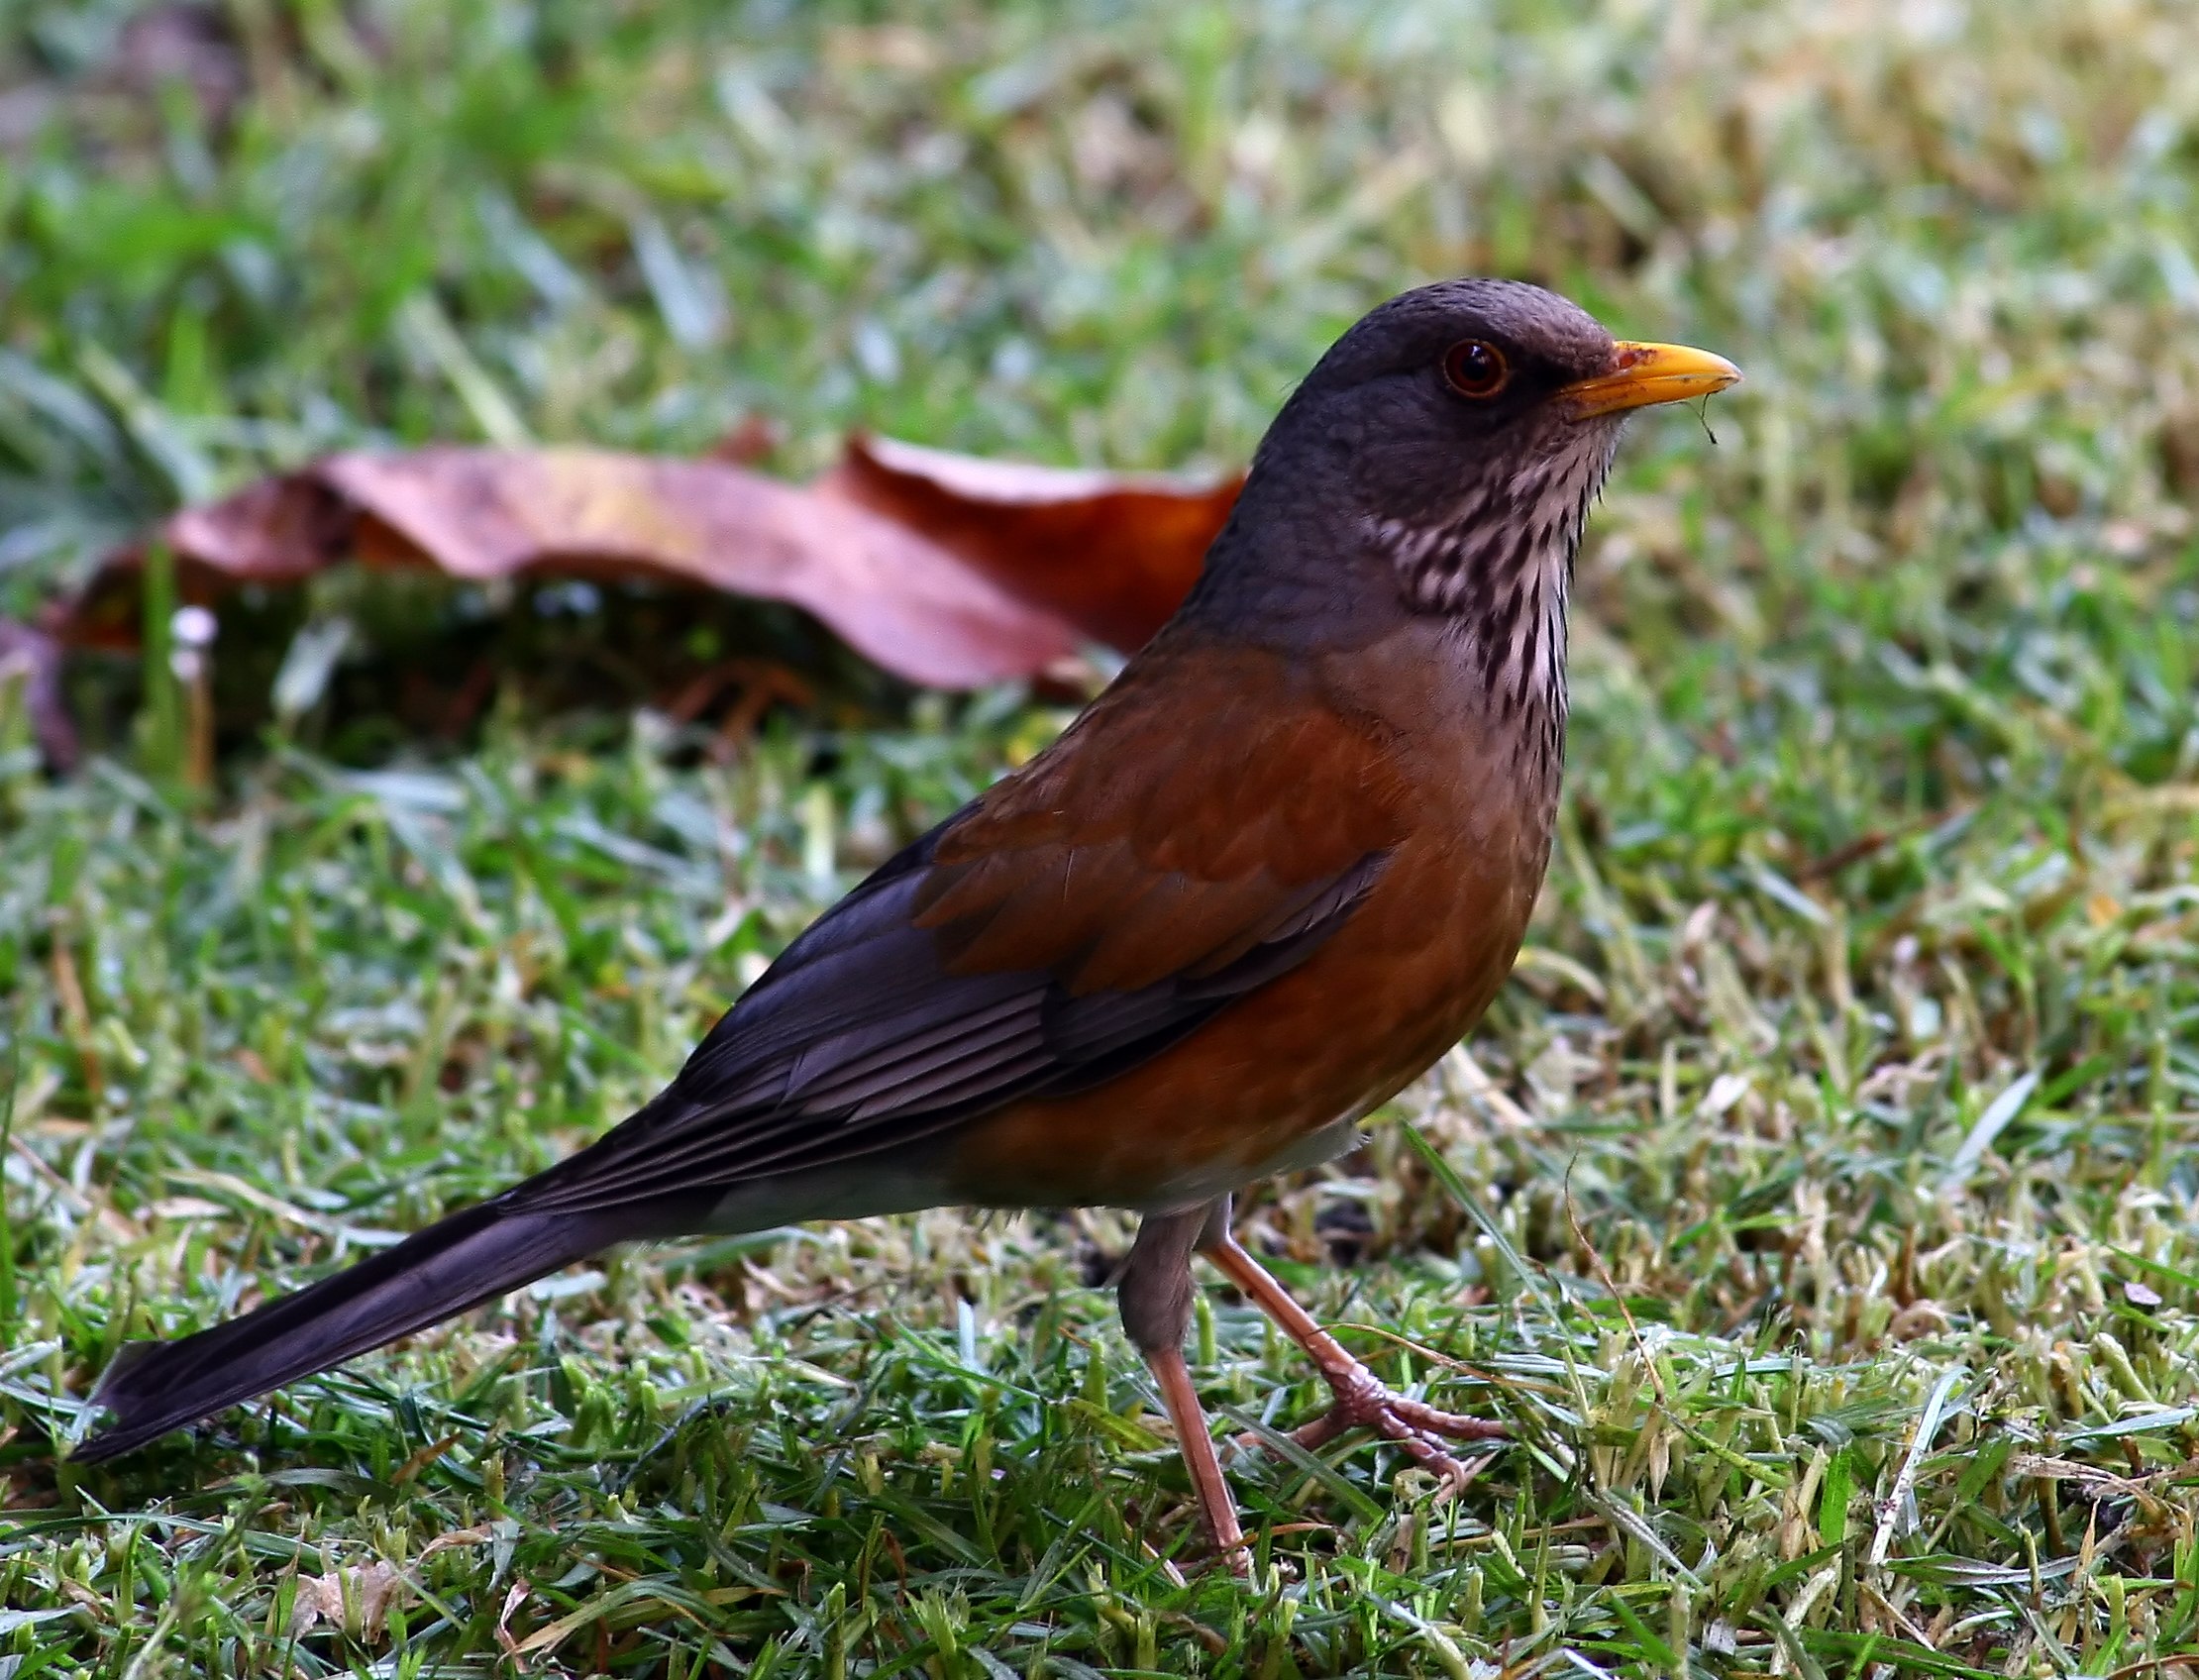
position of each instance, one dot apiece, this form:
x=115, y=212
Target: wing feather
x=1164, y=859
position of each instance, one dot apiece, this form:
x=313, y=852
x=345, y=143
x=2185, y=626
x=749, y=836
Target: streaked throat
x=1498, y=564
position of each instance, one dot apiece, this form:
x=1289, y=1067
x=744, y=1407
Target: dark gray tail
x=470, y=1257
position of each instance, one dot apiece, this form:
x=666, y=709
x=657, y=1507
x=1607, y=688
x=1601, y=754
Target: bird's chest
x=1378, y=1007
x=1277, y=1079
x=1413, y=976
x=1280, y=1074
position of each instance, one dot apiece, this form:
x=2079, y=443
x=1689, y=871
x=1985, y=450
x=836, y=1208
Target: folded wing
x=1162, y=860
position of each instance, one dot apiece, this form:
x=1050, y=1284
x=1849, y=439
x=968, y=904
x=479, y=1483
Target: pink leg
x=1215, y=1506
x=1362, y=1401
x=1154, y=1290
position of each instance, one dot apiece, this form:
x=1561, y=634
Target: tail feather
x=470, y=1257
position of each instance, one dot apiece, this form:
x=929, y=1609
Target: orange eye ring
x=1476, y=369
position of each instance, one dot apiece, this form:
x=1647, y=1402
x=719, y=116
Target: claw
x=1362, y=1399
x=1363, y=1402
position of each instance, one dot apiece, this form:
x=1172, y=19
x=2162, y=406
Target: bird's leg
x=1362, y=1399
x=1154, y=1292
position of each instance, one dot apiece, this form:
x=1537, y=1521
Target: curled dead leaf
x=356, y=1601
x=946, y=570
x=481, y=515
x=1112, y=553
x=514, y=1597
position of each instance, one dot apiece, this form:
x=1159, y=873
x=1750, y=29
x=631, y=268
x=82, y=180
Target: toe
x=1457, y=1425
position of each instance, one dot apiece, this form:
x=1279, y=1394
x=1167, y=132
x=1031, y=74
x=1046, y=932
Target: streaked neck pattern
x=1499, y=563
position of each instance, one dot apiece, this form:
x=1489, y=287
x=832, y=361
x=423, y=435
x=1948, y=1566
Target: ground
x=1818, y=1204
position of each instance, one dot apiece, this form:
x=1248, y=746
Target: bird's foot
x=1422, y=1433
x=1363, y=1401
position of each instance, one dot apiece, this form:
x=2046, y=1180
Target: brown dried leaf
x=279, y=531
x=947, y=570
x=354, y=1600
x=1110, y=553
x=486, y=514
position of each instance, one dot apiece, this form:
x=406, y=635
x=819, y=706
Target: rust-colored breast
x=1375, y=1006
x=1402, y=980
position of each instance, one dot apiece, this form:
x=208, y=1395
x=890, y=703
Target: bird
x=1271, y=873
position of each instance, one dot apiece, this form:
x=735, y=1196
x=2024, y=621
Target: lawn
x=1818, y=1204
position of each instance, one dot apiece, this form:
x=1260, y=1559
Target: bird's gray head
x=1467, y=426
x=1442, y=459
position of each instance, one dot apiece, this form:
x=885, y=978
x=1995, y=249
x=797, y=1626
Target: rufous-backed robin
x=1268, y=878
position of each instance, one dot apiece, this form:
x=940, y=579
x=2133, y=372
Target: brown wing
x=1196, y=834
x=1184, y=817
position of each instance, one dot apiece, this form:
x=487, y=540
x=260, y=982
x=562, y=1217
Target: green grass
x=1826, y=1224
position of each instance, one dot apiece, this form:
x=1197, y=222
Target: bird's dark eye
x=1475, y=368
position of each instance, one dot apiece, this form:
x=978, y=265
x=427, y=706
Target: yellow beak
x=1644, y=373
